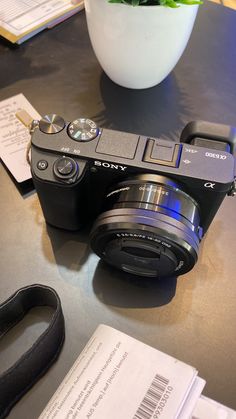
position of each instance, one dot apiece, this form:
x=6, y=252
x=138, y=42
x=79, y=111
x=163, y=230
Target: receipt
x=14, y=136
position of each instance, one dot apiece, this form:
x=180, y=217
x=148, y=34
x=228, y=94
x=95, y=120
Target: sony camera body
x=154, y=199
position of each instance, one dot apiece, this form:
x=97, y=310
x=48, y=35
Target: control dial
x=51, y=124
x=83, y=129
x=65, y=168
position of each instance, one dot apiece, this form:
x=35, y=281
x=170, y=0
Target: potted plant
x=138, y=42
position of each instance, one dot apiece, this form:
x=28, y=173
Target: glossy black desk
x=193, y=318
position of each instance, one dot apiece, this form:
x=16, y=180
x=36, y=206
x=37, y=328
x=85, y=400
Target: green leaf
x=168, y=3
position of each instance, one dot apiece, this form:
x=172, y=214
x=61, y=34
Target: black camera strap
x=15, y=381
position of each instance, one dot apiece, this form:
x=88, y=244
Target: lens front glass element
x=149, y=228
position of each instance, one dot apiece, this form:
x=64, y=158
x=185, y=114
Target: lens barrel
x=150, y=227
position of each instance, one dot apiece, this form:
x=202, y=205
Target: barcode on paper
x=152, y=397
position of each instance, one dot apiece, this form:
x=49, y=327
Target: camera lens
x=150, y=227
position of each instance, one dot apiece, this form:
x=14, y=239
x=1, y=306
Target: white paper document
x=193, y=396
x=209, y=409
x=14, y=136
x=118, y=377
x=19, y=17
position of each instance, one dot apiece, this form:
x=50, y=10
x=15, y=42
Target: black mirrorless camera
x=151, y=200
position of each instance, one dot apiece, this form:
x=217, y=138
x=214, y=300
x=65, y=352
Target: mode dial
x=83, y=129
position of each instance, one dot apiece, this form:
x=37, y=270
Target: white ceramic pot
x=137, y=47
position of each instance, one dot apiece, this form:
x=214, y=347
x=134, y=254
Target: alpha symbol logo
x=209, y=185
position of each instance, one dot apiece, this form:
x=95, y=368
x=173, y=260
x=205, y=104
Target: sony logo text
x=109, y=165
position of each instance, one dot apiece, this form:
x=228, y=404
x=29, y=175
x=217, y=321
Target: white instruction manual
x=117, y=376
x=14, y=136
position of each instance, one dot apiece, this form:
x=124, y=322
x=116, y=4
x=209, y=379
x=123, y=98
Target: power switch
x=165, y=154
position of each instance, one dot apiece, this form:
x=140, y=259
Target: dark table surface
x=192, y=318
